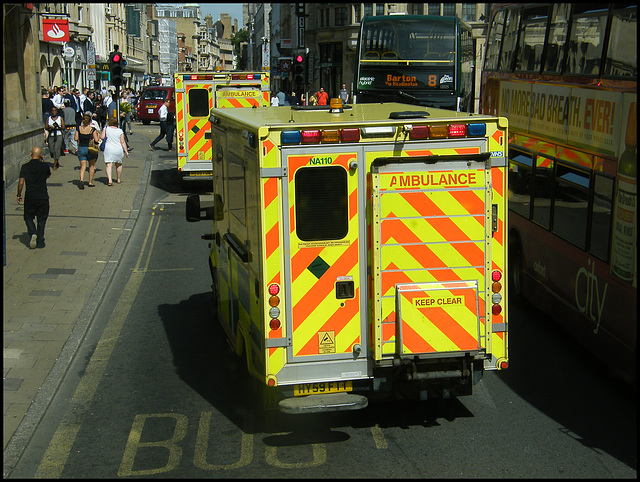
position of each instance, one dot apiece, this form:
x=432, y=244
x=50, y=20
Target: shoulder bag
x=93, y=148
x=104, y=142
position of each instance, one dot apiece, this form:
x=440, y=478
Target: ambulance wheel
x=516, y=265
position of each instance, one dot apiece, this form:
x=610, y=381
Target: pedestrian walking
x=85, y=133
x=166, y=129
x=47, y=104
x=55, y=126
x=115, y=149
x=274, y=100
x=344, y=94
x=69, y=117
x=34, y=175
x=101, y=111
x=323, y=97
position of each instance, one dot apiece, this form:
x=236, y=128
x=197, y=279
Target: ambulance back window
x=198, y=102
x=322, y=208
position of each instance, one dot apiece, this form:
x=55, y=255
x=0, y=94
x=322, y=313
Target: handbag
x=104, y=142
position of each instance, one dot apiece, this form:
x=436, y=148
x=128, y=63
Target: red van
x=151, y=100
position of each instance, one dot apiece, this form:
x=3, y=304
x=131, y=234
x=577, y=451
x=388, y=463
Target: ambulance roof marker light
x=335, y=106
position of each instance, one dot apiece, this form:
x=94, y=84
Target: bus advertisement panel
x=565, y=75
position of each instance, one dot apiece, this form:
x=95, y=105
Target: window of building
x=368, y=10
x=321, y=186
x=341, y=17
x=416, y=8
x=357, y=13
x=622, y=54
x=433, y=9
x=531, y=42
x=469, y=12
x=449, y=9
x=379, y=8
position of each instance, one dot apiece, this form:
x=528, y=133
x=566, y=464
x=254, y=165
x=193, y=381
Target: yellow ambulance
x=359, y=252
x=196, y=94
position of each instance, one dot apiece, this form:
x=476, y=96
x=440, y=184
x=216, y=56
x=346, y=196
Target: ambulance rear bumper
x=323, y=403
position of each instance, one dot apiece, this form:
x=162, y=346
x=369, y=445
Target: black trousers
x=165, y=130
x=39, y=209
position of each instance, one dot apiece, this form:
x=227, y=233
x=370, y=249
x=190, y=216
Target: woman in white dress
x=115, y=149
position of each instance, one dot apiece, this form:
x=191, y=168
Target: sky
x=215, y=9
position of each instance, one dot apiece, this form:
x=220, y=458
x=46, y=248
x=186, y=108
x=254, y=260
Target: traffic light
x=299, y=67
x=116, y=67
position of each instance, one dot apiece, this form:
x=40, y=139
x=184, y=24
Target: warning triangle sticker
x=326, y=339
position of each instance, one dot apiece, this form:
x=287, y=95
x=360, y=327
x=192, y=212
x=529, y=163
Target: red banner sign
x=55, y=30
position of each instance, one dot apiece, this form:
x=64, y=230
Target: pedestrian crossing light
x=116, y=67
x=299, y=67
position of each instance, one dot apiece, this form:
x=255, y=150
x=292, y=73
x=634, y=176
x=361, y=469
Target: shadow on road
x=205, y=361
x=556, y=375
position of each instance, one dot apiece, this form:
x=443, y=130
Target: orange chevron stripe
x=272, y=240
x=325, y=284
x=353, y=204
x=448, y=325
x=453, y=231
x=414, y=342
x=302, y=259
x=292, y=219
x=348, y=312
x=270, y=187
x=268, y=146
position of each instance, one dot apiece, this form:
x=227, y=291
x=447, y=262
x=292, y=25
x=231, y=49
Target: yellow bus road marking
x=378, y=437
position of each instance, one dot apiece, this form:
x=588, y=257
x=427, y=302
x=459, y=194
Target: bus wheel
x=515, y=269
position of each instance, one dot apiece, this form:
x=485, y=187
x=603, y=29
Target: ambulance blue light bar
x=476, y=130
x=290, y=137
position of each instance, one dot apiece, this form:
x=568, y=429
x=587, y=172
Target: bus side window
x=510, y=40
x=494, y=40
x=543, y=191
x=570, y=204
x=601, y=216
x=557, y=38
x=520, y=182
x=622, y=61
x=531, y=43
x=587, y=37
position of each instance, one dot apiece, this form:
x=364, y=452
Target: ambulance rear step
x=329, y=402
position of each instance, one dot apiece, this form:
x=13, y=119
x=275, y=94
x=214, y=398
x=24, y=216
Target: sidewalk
x=51, y=294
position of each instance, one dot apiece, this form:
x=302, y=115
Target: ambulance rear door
x=431, y=241
x=194, y=130
x=325, y=261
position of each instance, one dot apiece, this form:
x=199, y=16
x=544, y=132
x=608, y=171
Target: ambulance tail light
x=330, y=135
x=311, y=137
x=274, y=302
x=496, y=297
x=350, y=135
x=419, y=132
x=457, y=130
x=438, y=132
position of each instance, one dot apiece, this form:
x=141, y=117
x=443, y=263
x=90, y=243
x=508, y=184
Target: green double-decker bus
x=415, y=59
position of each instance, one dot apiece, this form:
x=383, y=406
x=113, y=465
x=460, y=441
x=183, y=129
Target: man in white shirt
x=58, y=99
x=166, y=126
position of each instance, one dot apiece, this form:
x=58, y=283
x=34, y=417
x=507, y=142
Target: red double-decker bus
x=565, y=75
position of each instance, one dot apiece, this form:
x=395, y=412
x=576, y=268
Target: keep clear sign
x=581, y=117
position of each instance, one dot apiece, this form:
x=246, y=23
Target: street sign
x=91, y=74
x=284, y=64
x=91, y=55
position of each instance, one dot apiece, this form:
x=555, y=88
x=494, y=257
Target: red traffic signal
x=299, y=58
x=116, y=57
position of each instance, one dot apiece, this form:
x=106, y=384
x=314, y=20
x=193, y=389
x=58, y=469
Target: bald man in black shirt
x=36, y=199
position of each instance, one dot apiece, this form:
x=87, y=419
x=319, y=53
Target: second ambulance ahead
x=360, y=252
x=196, y=94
